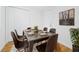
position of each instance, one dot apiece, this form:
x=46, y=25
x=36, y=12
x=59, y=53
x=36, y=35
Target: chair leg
x=20, y=50
x=26, y=49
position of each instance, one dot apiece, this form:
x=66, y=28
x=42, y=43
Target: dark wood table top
x=31, y=36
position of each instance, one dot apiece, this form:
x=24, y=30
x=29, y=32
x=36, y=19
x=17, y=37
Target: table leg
x=30, y=46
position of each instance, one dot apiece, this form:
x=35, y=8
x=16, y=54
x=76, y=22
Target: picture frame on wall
x=66, y=14
x=67, y=17
x=71, y=13
x=61, y=15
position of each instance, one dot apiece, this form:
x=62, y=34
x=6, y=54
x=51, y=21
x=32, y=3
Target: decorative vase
x=36, y=29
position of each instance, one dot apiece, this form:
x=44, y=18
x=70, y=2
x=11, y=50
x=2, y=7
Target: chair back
x=45, y=29
x=52, y=30
x=29, y=28
x=52, y=43
x=23, y=33
x=14, y=39
x=16, y=33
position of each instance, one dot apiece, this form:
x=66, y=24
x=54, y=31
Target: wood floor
x=60, y=47
x=7, y=47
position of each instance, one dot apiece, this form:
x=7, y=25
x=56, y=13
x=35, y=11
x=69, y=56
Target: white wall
x=20, y=19
x=51, y=19
x=2, y=27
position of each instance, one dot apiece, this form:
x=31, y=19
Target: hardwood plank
x=60, y=47
x=8, y=46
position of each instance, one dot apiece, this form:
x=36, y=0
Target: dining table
x=35, y=37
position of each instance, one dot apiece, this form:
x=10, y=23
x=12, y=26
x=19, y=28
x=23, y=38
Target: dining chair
x=28, y=28
x=19, y=45
x=45, y=29
x=50, y=45
x=22, y=37
x=52, y=30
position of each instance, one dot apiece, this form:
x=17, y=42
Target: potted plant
x=74, y=32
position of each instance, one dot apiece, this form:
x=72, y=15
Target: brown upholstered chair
x=19, y=45
x=28, y=28
x=22, y=37
x=50, y=45
x=45, y=29
x=52, y=30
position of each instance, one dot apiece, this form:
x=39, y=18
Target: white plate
x=28, y=30
x=31, y=33
x=42, y=33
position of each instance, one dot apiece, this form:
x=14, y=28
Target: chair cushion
x=41, y=47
